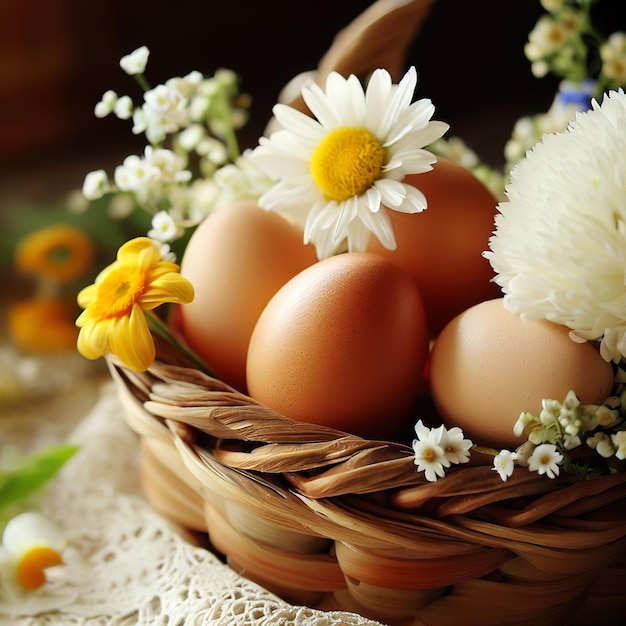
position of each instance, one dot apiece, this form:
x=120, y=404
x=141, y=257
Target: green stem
x=161, y=329
x=230, y=137
x=142, y=81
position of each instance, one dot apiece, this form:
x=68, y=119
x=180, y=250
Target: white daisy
x=339, y=173
x=430, y=457
x=30, y=545
x=455, y=447
x=545, y=459
x=559, y=246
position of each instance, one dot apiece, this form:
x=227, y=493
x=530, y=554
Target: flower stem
x=161, y=329
x=228, y=131
x=142, y=81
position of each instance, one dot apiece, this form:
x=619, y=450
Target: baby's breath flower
x=106, y=105
x=136, y=175
x=124, y=108
x=545, y=459
x=618, y=439
x=186, y=85
x=558, y=241
x=339, y=174
x=189, y=138
x=166, y=251
x=135, y=62
x=601, y=443
x=96, y=185
x=164, y=111
x=164, y=228
x=504, y=463
x=613, y=54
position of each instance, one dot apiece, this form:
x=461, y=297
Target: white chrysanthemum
x=338, y=174
x=559, y=245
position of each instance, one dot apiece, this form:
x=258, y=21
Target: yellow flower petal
x=132, y=342
x=93, y=341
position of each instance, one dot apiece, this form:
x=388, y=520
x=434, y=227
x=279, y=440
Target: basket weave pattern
x=331, y=520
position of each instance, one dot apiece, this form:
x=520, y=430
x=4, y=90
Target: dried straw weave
x=331, y=520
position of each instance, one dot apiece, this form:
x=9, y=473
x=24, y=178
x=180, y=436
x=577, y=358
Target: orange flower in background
x=114, y=319
x=43, y=324
x=59, y=252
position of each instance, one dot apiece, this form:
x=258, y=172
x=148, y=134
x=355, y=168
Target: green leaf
x=35, y=472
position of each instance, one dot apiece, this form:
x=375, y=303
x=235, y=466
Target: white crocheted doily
x=127, y=565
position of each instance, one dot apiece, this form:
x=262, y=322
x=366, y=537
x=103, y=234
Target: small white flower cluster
x=529, y=130
x=560, y=42
x=198, y=116
x=564, y=435
x=438, y=448
x=564, y=431
x=613, y=55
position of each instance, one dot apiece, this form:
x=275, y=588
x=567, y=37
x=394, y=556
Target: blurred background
x=58, y=58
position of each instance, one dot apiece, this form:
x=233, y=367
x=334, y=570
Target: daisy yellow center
x=120, y=290
x=429, y=455
x=346, y=163
x=30, y=570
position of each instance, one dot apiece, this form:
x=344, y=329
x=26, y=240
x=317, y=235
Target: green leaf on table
x=33, y=473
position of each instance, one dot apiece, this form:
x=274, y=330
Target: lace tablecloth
x=126, y=564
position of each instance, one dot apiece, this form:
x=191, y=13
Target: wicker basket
x=333, y=521
x=330, y=520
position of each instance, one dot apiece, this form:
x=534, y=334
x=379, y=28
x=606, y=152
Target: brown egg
x=237, y=258
x=342, y=344
x=489, y=365
x=442, y=246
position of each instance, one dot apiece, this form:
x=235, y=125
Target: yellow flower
x=42, y=324
x=58, y=252
x=114, y=318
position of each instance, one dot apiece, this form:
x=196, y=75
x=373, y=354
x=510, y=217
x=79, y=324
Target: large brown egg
x=342, y=344
x=442, y=246
x=236, y=259
x=489, y=365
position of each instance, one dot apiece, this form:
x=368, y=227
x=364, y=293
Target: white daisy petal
x=379, y=224
x=414, y=201
x=392, y=192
